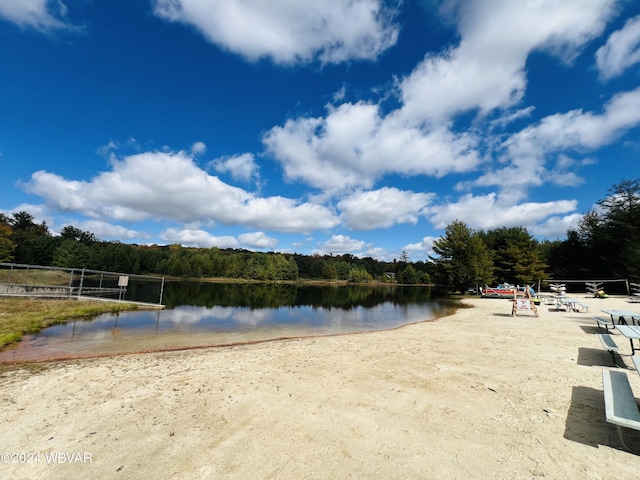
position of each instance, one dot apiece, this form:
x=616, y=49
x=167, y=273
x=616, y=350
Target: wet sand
x=479, y=394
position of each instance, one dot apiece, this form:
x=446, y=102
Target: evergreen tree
x=7, y=247
x=34, y=243
x=620, y=229
x=71, y=254
x=610, y=235
x=69, y=232
x=518, y=258
x=480, y=261
x=463, y=260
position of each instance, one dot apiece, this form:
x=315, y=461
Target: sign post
x=523, y=304
x=123, y=281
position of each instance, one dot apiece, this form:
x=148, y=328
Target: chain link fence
x=72, y=283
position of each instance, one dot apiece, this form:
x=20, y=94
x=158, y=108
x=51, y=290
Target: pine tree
x=463, y=258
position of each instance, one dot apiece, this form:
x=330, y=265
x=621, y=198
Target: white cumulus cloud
x=198, y=148
x=355, y=145
x=486, y=70
x=169, y=185
x=258, y=240
x=197, y=238
x=107, y=230
x=42, y=15
x=490, y=211
x=340, y=244
x=556, y=226
x=382, y=208
x=240, y=167
x=529, y=155
x=621, y=51
x=421, y=249
x=287, y=32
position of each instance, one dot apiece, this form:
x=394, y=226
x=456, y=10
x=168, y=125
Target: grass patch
x=35, y=276
x=21, y=316
x=9, y=338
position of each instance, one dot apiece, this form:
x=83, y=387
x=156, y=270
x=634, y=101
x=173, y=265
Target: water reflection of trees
x=274, y=296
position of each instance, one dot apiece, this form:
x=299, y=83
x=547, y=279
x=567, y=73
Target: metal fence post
x=81, y=283
x=9, y=279
x=70, y=284
x=161, y=291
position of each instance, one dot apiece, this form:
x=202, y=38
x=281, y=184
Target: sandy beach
x=479, y=394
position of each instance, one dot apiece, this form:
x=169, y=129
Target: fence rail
x=58, y=282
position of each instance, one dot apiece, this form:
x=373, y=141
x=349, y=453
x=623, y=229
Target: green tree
x=480, y=261
x=199, y=264
x=359, y=275
x=34, y=243
x=151, y=259
x=463, y=259
x=518, y=258
x=330, y=272
x=71, y=254
x=423, y=277
x=614, y=233
x=257, y=268
x=7, y=247
x=118, y=257
x=69, y=232
x=285, y=268
x=342, y=269
x=408, y=276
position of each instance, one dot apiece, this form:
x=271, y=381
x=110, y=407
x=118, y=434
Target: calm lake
x=215, y=314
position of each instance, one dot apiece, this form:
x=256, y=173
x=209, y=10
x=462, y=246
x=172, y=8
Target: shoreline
x=478, y=394
x=36, y=348
x=97, y=356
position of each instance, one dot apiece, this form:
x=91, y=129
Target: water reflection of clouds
x=312, y=312
x=191, y=314
x=386, y=315
x=100, y=336
x=253, y=317
x=356, y=318
x=189, y=325
x=228, y=315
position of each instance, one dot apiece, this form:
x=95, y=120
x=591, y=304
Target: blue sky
x=343, y=126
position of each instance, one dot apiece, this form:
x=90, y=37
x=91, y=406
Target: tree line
x=24, y=241
x=606, y=244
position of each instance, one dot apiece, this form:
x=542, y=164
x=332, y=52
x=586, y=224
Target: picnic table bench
x=606, y=322
x=560, y=305
x=547, y=299
x=573, y=304
x=636, y=362
x=580, y=307
x=620, y=405
x=609, y=344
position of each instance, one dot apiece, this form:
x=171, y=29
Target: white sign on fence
x=123, y=281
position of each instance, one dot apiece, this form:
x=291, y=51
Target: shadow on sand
x=597, y=357
x=592, y=329
x=586, y=423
